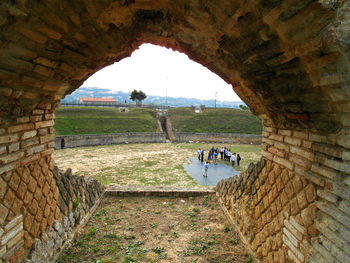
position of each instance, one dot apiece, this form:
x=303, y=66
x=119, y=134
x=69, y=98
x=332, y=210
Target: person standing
x=209, y=155
x=222, y=152
x=238, y=159
x=215, y=157
x=228, y=155
x=233, y=159
x=206, y=166
x=202, y=155
x=199, y=154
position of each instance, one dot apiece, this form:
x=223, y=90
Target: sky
x=162, y=72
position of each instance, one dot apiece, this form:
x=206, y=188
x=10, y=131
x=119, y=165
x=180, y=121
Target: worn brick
x=3, y=150
x=43, y=124
x=285, y=132
x=13, y=147
x=35, y=149
x=283, y=162
x=33, y=207
x=294, y=208
x=38, y=112
x=324, y=171
x=3, y=188
x=29, y=142
x=317, y=138
x=29, y=134
x=302, y=152
x=21, y=127
x=292, y=141
x=33, y=35
x=5, y=159
x=36, y=118
x=310, y=193
x=46, y=138
x=28, y=198
x=14, y=182
x=16, y=206
x=3, y=214
x=276, y=137
x=300, y=161
x=302, y=201
x=32, y=184
x=9, y=138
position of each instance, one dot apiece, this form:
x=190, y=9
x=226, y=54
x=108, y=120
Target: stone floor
x=216, y=172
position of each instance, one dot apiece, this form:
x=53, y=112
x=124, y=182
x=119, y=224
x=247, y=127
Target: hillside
x=215, y=120
x=122, y=97
x=97, y=120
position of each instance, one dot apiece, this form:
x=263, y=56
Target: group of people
x=225, y=154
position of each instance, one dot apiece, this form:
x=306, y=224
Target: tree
x=137, y=96
x=243, y=107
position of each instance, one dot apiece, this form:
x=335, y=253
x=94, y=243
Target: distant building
x=98, y=101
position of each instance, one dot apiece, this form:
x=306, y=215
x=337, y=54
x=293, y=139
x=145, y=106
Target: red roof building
x=98, y=101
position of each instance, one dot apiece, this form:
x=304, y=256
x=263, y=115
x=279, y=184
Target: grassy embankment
x=215, y=120
x=97, y=120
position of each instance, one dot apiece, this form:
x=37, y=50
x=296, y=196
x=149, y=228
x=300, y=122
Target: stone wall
x=217, y=137
x=106, y=139
x=293, y=204
x=31, y=193
x=78, y=197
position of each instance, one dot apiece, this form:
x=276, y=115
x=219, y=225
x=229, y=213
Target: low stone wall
x=217, y=137
x=72, y=141
x=77, y=199
x=275, y=211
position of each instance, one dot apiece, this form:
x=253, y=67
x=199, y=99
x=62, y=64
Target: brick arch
x=288, y=60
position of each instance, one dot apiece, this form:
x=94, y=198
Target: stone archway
x=288, y=60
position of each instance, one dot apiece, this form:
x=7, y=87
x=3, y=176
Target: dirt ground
x=157, y=229
x=142, y=164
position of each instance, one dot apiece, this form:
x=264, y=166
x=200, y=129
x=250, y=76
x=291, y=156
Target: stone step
x=158, y=191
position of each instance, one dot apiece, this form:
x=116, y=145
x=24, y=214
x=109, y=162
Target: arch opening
x=287, y=60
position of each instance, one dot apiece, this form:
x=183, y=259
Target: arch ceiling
x=288, y=60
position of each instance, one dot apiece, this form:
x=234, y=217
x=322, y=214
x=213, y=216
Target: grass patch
x=215, y=121
x=160, y=235
x=98, y=120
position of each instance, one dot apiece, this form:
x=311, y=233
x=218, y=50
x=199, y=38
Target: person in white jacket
x=233, y=159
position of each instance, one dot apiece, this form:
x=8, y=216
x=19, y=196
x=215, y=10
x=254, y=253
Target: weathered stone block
x=288, y=164
x=29, y=134
x=310, y=193
x=294, y=208
x=292, y=141
x=21, y=127
x=43, y=124
x=302, y=201
x=3, y=213
x=9, y=138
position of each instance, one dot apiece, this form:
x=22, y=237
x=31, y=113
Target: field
x=143, y=164
x=215, y=120
x=97, y=120
x=157, y=229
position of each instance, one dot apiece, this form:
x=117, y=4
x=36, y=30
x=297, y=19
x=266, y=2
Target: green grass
x=215, y=120
x=97, y=120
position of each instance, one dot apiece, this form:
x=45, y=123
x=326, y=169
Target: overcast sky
x=160, y=71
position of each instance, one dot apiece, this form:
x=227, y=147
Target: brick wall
x=30, y=194
x=294, y=203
